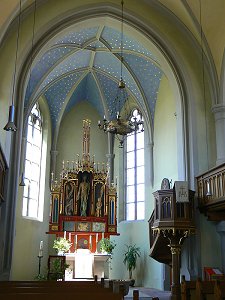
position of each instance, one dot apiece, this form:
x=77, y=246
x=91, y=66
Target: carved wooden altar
x=83, y=204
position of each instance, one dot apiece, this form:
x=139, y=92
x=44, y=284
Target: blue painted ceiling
x=84, y=65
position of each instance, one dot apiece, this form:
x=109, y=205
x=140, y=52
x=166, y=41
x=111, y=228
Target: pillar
x=175, y=288
x=110, y=157
x=219, y=114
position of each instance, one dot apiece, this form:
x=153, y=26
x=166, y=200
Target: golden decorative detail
x=54, y=227
x=111, y=229
x=175, y=250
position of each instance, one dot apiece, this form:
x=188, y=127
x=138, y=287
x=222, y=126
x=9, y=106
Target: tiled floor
x=147, y=293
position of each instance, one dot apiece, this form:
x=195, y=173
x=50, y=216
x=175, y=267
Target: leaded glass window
x=32, y=164
x=135, y=173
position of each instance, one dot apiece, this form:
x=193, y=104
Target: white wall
x=28, y=232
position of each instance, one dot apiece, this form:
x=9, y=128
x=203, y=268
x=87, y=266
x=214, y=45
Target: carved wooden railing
x=211, y=193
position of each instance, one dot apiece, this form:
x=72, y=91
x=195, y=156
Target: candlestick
x=39, y=264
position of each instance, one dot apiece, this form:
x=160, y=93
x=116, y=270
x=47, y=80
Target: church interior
x=112, y=122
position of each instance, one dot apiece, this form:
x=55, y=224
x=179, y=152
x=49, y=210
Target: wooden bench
x=219, y=290
x=57, y=290
x=188, y=289
x=202, y=290
x=205, y=290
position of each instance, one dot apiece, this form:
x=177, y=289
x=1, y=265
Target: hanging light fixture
x=22, y=180
x=10, y=126
x=119, y=126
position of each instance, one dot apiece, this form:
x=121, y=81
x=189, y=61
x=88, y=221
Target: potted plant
x=130, y=259
x=106, y=245
x=61, y=245
x=57, y=270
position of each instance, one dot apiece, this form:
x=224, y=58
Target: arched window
x=135, y=172
x=33, y=164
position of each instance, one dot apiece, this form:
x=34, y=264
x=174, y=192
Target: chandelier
x=120, y=126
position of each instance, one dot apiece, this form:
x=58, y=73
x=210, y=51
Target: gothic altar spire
x=86, y=141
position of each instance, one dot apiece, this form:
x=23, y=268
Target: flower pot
x=132, y=282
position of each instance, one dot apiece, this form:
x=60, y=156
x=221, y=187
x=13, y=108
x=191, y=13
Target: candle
x=96, y=238
x=70, y=236
x=64, y=234
x=90, y=239
x=41, y=249
x=76, y=239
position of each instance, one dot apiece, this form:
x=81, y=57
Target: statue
x=83, y=193
x=98, y=207
x=98, y=211
x=69, y=194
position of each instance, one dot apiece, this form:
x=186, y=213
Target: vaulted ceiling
x=84, y=65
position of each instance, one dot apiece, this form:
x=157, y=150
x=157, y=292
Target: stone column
x=110, y=157
x=219, y=114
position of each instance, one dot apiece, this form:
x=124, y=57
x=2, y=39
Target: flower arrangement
x=106, y=245
x=62, y=245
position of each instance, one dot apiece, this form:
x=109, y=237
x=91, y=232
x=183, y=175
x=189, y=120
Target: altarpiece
x=83, y=202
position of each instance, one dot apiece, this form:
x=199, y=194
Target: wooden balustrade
x=211, y=193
